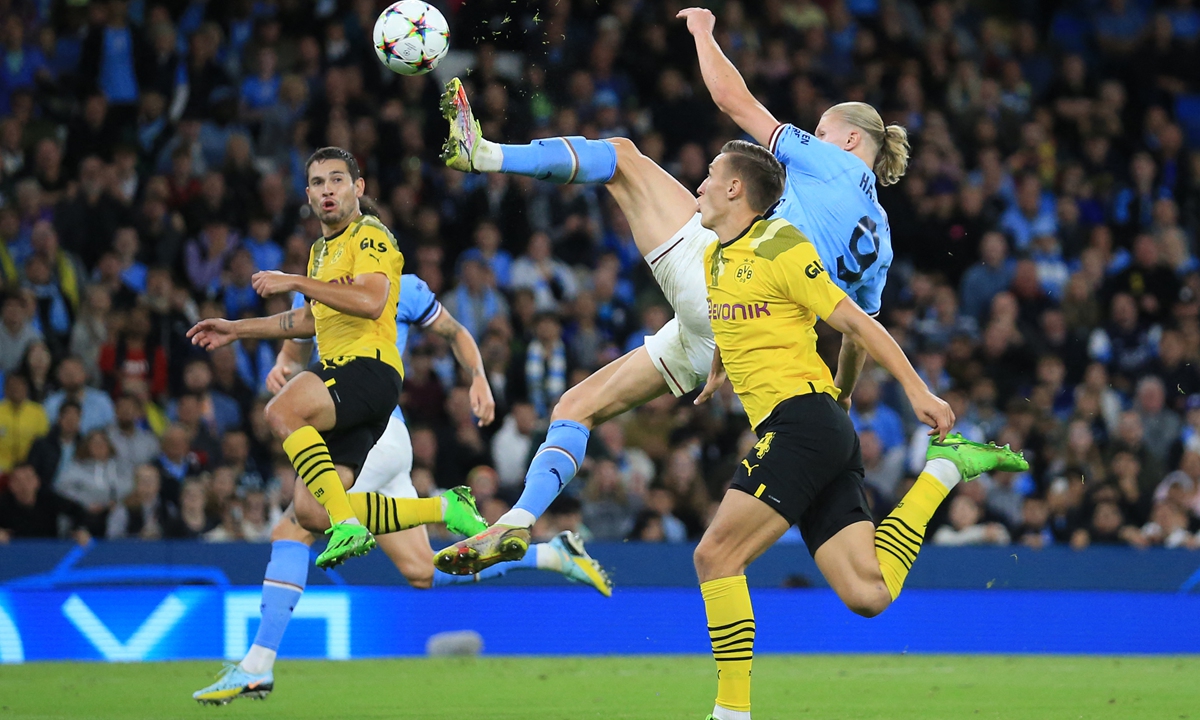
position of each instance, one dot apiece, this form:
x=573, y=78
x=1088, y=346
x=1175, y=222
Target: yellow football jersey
x=766, y=289
x=365, y=246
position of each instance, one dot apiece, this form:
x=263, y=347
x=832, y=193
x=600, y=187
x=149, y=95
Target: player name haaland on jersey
x=766, y=289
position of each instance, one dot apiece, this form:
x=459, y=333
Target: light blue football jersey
x=830, y=196
x=416, y=306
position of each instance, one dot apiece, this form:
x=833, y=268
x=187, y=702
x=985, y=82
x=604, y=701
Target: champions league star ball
x=411, y=37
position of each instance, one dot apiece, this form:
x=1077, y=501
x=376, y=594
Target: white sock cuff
x=945, y=471
x=722, y=713
x=258, y=660
x=517, y=518
x=488, y=156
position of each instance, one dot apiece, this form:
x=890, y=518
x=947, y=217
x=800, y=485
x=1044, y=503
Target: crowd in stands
x=1046, y=281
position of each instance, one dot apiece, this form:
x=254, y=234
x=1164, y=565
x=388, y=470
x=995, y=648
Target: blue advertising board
x=176, y=623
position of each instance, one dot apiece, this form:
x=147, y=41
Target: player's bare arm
x=851, y=359
x=724, y=82
x=366, y=297
x=468, y=356
x=217, y=332
x=849, y=319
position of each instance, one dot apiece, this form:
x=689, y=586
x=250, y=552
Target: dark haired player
x=330, y=416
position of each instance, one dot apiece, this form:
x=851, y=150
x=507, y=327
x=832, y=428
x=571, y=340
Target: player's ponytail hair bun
x=891, y=161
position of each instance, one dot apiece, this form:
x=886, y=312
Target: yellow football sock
x=898, y=538
x=310, y=456
x=731, y=630
x=382, y=514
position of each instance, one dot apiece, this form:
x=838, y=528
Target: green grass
x=845, y=687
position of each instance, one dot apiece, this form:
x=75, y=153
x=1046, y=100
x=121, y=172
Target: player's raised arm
x=723, y=80
x=216, y=332
x=849, y=319
x=365, y=297
x=468, y=356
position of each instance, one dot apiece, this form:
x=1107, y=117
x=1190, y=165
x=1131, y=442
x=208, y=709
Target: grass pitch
x=845, y=687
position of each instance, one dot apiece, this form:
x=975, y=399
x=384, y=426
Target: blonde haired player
x=766, y=287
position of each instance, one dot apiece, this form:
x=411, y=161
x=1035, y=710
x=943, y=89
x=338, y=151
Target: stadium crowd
x=1045, y=282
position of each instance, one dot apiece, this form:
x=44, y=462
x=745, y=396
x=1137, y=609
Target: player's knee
x=711, y=561
x=868, y=600
x=280, y=417
x=420, y=578
x=626, y=149
x=313, y=519
x=575, y=404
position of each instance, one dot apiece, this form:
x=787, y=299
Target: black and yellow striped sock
x=731, y=630
x=898, y=538
x=382, y=514
x=310, y=456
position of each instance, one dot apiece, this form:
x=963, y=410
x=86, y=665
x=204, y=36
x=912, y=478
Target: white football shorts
x=388, y=467
x=683, y=349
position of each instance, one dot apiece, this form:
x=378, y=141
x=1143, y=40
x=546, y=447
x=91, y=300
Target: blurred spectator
x=133, y=444
x=90, y=478
x=1107, y=527
x=30, y=510
x=551, y=280
x=21, y=423
x=869, y=414
x=194, y=520
x=97, y=406
x=90, y=332
x=16, y=332
x=965, y=527
x=176, y=463
x=132, y=358
x=143, y=514
x=487, y=251
x=48, y=455
x=546, y=365
x=607, y=511
x=475, y=301
x=513, y=443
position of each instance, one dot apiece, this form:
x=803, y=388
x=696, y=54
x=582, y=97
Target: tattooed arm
x=216, y=332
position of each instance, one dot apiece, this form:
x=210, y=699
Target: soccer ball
x=411, y=37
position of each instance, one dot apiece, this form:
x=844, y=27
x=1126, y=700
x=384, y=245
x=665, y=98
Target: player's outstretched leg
x=560, y=160
x=623, y=384
x=656, y=205
x=283, y=584
x=867, y=566
x=898, y=538
x=565, y=555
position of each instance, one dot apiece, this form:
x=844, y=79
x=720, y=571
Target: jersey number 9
x=862, y=260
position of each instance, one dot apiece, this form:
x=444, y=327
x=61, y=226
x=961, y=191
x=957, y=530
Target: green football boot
x=346, y=540
x=460, y=515
x=464, y=128
x=974, y=459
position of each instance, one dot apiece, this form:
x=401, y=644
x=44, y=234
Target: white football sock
x=720, y=713
x=547, y=557
x=258, y=660
x=945, y=471
x=488, y=156
x=517, y=518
